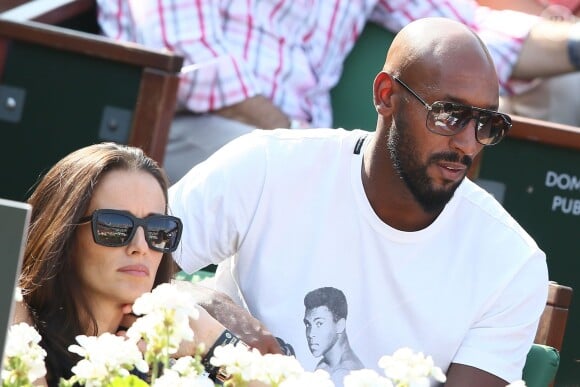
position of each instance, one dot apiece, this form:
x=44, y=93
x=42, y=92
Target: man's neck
x=388, y=195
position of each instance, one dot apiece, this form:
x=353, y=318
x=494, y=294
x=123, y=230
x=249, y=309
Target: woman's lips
x=136, y=270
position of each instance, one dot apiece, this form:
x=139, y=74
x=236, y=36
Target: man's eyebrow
x=450, y=98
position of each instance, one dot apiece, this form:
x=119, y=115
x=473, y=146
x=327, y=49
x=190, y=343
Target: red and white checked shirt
x=290, y=51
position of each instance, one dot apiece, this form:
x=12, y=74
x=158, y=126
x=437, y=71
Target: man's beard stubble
x=414, y=174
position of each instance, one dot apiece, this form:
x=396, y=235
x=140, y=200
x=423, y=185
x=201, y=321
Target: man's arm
x=535, y=7
x=545, y=51
x=257, y=111
x=215, y=74
x=547, y=40
x=460, y=375
x=234, y=317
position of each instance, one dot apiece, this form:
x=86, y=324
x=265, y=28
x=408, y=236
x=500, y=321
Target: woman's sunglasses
x=449, y=118
x=116, y=228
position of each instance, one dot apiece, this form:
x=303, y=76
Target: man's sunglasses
x=116, y=228
x=449, y=118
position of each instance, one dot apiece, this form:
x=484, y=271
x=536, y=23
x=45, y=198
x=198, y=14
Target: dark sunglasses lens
x=113, y=229
x=162, y=233
x=492, y=127
x=448, y=118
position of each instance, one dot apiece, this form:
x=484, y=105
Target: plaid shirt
x=289, y=51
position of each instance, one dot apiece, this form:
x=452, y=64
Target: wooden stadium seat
x=543, y=360
x=555, y=317
x=63, y=86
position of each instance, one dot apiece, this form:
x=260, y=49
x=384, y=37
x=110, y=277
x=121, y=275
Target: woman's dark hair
x=48, y=281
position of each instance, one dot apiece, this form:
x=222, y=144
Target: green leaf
x=128, y=381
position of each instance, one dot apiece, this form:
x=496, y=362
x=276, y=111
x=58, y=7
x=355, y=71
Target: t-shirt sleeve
x=216, y=201
x=499, y=341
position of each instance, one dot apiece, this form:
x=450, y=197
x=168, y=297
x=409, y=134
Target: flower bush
x=23, y=357
x=112, y=361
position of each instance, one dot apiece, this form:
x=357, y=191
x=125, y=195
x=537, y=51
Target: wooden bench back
x=553, y=321
x=75, y=88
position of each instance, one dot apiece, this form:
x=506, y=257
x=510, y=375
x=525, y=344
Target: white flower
x=277, y=368
x=318, y=378
x=238, y=360
x=249, y=365
x=407, y=367
x=163, y=326
x=167, y=296
x=172, y=378
x=165, y=323
x=105, y=357
x=23, y=361
x=366, y=378
x=183, y=373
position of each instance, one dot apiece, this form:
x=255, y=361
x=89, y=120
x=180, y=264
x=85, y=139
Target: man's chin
x=436, y=199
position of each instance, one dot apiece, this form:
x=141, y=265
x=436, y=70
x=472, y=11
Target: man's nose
x=465, y=140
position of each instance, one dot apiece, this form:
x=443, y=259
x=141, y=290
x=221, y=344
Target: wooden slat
x=47, y=11
x=154, y=112
x=552, y=325
x=545, y=132
x=89, y=44
x=529, y=129
x=9, y=4
x=3, y=55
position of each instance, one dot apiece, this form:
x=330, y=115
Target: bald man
x=426, y=258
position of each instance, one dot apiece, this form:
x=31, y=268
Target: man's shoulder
x=481, y=200
x=307, y=134
x=317, y=141
x=483, y=209
x=350, y=361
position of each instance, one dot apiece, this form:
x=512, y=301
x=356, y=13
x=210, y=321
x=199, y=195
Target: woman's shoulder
x=21, y=313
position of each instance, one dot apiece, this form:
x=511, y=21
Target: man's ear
x=382, y=91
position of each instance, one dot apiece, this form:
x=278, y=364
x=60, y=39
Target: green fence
x=66, y=99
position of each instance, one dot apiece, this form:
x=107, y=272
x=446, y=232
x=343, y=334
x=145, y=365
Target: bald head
x=432, y=45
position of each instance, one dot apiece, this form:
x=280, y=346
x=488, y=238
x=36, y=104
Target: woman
x=99, y=238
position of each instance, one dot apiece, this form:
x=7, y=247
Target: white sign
x=568, y=184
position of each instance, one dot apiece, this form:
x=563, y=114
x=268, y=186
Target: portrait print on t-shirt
x=325, y=315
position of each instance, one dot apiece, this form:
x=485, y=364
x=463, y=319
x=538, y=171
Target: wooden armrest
x=89, y=44
x=112, y=91
x=546, y=132
x=552, y=324
x=530, y=129
x=48, y=11
x=6, y=5
x=559, y=295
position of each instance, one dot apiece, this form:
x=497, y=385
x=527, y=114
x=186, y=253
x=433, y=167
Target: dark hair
x=48, y=280
x=332, y=298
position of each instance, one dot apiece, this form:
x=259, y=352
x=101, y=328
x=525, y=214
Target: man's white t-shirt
x=291, y=208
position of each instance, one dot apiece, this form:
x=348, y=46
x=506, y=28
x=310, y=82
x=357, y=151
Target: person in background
x=271, y=64
x=426, y=258
x=99, y=238
x=554, y=98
